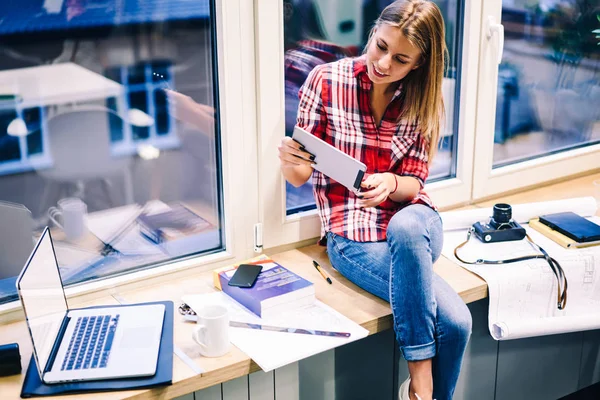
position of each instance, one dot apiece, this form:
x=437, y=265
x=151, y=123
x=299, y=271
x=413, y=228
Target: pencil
x=323, y=274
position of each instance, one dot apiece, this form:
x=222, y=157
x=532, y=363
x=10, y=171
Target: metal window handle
x=492, y=28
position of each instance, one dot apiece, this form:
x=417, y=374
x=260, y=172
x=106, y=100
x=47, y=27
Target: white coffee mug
x=72, y=213
x=212, y=331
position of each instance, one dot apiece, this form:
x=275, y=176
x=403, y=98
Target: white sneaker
x=403, y=393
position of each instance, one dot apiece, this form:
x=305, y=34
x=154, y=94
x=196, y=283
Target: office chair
x=79, y=144
x=16, y=238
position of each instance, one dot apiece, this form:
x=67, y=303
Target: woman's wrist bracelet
x=396, y=184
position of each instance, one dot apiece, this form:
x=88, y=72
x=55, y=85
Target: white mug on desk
x=212, y=330
x=72, y=213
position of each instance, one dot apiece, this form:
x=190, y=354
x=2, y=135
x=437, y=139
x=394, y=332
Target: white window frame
x=488, y=181
x=235, y=52
x=280, y=229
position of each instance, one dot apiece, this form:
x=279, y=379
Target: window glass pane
x=549, y=79
x=317, y=32
x=108, y=134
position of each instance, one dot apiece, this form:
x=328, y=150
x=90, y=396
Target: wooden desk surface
x=365, y=309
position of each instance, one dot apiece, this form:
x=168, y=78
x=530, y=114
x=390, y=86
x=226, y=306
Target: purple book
x=276, y=289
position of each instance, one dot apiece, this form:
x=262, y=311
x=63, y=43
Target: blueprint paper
x=271, y=350
x=523, y=295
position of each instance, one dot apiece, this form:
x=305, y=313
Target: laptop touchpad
x=138, y=337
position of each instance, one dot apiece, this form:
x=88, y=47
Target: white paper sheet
x=108, y=224
x=271, y=350
x=523, y=295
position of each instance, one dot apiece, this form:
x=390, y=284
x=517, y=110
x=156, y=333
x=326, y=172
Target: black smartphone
x=573, y=226
x=245, y=275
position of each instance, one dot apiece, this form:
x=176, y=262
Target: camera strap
x=554, y=266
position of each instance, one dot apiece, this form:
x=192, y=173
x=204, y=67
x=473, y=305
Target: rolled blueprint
x=518, y=329
x=522, y=213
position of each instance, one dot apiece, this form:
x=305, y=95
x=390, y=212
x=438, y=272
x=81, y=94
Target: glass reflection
x=318, y=32
x=549, y=79
x=108, y=134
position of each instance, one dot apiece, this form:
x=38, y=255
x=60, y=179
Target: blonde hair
x=422, y=24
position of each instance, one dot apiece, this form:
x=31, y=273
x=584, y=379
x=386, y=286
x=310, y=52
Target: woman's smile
x=378, y=73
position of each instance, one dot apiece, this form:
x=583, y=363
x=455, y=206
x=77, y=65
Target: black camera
x=501, y=227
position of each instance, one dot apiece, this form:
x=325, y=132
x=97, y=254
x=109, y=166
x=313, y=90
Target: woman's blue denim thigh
x=401, y=270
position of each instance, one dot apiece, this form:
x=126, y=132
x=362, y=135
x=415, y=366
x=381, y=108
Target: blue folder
x=33, y=385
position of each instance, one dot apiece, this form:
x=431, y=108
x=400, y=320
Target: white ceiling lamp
x=137, y=117
x=17, y=128
x=148, y=152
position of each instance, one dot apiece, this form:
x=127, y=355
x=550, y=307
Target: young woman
x=384, y=108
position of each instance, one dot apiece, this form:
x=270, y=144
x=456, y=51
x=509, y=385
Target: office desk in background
x=40, y=89
x=57, y=84
x=82, y=260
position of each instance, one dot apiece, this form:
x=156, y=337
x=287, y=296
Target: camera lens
x=502, y=213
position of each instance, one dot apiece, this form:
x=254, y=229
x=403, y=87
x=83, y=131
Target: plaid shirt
x=335, y=107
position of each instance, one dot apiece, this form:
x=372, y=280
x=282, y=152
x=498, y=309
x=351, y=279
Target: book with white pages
x=118, y=228
x=272, y=349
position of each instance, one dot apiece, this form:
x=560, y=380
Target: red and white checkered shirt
x=335, y=107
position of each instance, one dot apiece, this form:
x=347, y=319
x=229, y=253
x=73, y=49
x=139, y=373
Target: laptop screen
x=43, y=298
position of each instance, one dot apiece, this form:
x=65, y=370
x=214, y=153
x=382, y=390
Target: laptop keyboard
x=91, y=342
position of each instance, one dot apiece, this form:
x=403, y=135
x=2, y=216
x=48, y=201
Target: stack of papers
x=271, y=350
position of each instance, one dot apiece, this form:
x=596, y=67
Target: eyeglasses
x=184, y=309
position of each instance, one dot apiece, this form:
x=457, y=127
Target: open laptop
x=84, y=344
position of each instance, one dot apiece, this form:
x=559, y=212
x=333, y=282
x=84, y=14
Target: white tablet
x=331, y=161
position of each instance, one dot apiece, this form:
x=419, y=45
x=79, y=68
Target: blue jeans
x=430, y=319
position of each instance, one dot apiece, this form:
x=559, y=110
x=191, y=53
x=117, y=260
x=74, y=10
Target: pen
x=323, y=274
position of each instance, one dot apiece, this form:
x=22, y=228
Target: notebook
x=558, y=237
x=572, y=226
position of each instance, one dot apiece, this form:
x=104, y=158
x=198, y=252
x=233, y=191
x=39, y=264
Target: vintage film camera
x=501, y=227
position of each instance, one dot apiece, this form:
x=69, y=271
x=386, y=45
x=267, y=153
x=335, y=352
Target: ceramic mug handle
x=196, y=335
x=53, y=214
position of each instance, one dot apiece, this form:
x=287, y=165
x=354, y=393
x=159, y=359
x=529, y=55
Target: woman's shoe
x=403, y=392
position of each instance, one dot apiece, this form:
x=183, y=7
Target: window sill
x=12, y=311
